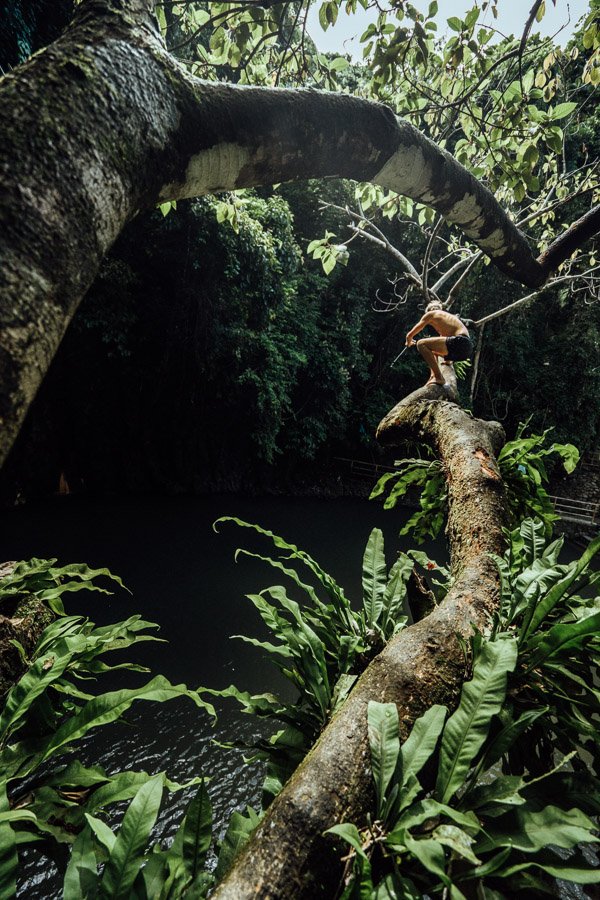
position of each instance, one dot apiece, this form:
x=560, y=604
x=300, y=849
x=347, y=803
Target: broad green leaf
x=154, y=876
x=510, y=733
x=351, y=835
x=559, y=590
x=200, y=887
x=197, y=831
x=103, y=833
x=339, y=64
x=8, y=851
x=422, y=741
x=394, y=597
x=492, y=865
x=374, y=576
x=562, y=637
x=128, y=851
x=81, y=876
x=560, y=112
x=430, y=809
x=431, y=855
x=467, y=728
x=577, y=870
x=360, y=885
x=109, y=707
x=568, y=452
x=457, y=840
x=384, y=741
x=534, y=538
x=238, y=831
x=530, y=831
x=17, y=815
x=124, y=786
x=503, y=790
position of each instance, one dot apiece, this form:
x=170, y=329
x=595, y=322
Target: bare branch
x=472, y=262
x=460, y=264
x=427, y=256
x=570, y=241
x=393, y=251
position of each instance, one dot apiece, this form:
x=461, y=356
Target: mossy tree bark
x=24, y=622
x=104, y=123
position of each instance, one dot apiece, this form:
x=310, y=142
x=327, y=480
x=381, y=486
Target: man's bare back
x=444, y=323
x=454, y=342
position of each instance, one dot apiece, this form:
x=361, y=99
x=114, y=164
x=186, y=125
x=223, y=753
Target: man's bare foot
x=434, y=380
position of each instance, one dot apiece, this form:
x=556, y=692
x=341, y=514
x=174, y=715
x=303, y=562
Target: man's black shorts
x=460, y=347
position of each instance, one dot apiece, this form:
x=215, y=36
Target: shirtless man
x=454, y=342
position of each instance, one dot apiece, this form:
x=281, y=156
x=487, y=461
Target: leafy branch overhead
x=462, y=87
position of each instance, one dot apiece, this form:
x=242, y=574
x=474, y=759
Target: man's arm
x=425, y=320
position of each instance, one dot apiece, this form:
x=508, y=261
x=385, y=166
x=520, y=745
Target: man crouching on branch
x=454, y=343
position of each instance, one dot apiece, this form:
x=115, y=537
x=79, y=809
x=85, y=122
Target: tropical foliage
x=47, y=795
x=320, y=645
x=501, y=793
x=522, y=464
x=469, y=798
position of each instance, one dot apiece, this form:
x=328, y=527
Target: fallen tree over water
x=289, y=856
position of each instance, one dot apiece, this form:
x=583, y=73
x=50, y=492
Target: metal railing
x=591, y=460
x=581, y=511
x=362, y=469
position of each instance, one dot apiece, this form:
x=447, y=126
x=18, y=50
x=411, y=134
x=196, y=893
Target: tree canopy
x=524, y=92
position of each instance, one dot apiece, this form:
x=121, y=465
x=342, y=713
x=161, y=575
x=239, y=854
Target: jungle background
x=210, y=357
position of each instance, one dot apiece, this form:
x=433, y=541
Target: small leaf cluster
x=426, y=475
x=329, y=254
x=47, y=582
x=522, y=463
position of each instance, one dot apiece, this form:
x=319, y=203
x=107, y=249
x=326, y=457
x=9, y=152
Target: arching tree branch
x=573, y=238
x=104, y=123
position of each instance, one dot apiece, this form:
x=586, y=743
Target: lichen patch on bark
x=215, y=169
x=406, y=172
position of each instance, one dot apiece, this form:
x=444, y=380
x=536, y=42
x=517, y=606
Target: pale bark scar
x=488, y=470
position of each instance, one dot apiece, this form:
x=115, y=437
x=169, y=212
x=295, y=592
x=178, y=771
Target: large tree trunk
x=289, y=857
x=104, y=123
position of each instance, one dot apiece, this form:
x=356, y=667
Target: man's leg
x=430, y=349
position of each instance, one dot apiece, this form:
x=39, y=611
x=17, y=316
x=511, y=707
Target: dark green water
x=183, y=576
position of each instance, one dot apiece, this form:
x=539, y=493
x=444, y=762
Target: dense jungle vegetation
x=227, y=344
x=264, y=367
